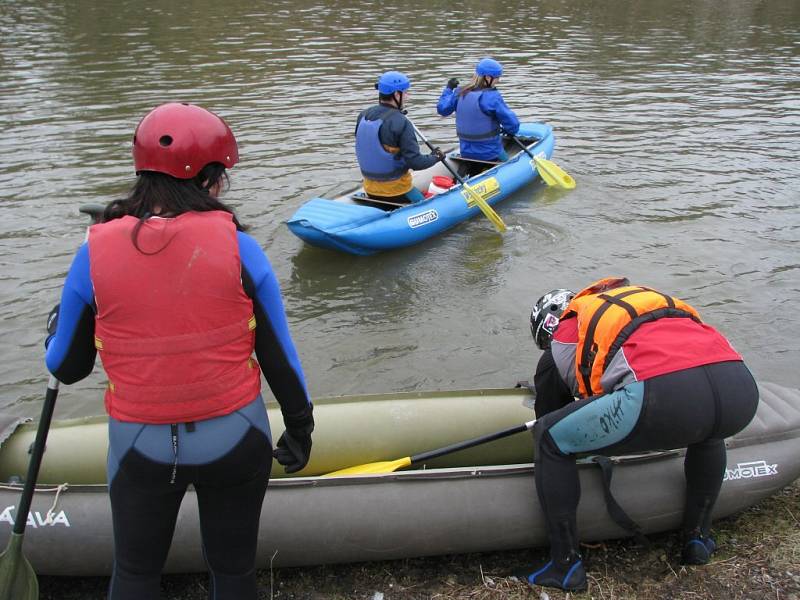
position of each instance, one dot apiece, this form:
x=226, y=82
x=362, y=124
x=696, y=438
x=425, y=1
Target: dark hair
x=170, y=196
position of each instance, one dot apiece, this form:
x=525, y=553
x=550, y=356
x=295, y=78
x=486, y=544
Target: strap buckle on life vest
x=592, y=354
x=588, y=361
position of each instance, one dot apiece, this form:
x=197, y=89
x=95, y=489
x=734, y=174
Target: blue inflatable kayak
x=356, y=224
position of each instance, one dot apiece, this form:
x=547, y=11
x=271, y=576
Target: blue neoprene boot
x=697, y=549
x=698, y=545
x=569, y=576
x=565, y=569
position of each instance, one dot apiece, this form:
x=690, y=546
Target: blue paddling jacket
x=480, y=115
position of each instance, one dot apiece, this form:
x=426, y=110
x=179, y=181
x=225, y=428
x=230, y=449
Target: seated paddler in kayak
x=175, y=298
x=648, y=375
x=386, y=145
x=481, y=113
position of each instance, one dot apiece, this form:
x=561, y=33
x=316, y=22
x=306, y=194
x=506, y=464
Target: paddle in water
x=476, y=197
x=549, y=171
x=392, y=465
x=17, y=578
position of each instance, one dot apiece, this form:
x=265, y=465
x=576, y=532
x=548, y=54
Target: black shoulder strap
x=589, y=352
x=615, y=511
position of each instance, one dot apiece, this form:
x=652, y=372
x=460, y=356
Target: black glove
x=439, y=154
x=294, y=447
x=452, y=83
x=52, y=324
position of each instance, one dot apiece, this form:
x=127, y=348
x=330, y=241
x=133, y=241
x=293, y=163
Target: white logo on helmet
x=562, y=298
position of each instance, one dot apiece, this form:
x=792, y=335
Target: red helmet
x=180, y=139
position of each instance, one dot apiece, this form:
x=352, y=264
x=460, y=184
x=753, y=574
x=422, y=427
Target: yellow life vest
x=608, y=312
x=395, y=187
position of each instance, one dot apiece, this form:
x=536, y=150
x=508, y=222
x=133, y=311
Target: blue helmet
x=490, y=67
x=393, y=81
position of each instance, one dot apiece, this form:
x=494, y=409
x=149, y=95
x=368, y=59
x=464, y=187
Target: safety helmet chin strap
x=398, y=102
x=394, y=100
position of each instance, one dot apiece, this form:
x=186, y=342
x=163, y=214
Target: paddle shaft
x=95, y=211
x=37, y=452
x=484, y=206
x=417, y=458
x=521, y=145
x=444, y=162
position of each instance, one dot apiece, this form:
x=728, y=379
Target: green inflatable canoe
x=481, y=499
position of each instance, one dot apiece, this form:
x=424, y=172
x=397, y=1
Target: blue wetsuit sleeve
x=275, y=350
x=494, y=106
x=71, y=352
x=409, y=147
x=448, y=101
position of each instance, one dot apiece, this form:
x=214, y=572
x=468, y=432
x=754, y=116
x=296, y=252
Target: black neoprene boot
x=698, y=545
x=697, y=549
x=565, y=569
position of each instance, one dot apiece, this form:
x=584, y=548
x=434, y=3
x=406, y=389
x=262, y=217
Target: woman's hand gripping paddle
x=392, y=465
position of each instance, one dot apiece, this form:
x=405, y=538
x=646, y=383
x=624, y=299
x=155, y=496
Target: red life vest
x=174, y=329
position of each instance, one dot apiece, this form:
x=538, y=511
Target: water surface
x=680, y=122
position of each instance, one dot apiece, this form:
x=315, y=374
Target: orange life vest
x=608, y=312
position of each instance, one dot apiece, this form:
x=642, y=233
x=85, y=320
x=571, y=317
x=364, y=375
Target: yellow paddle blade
x=485, y=208
x=552, y=174
x=375, y=468
x=546, y=176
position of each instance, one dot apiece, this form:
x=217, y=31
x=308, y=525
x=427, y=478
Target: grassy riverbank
x=759, y=558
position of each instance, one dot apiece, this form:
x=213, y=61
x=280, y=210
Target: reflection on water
x=679, y=122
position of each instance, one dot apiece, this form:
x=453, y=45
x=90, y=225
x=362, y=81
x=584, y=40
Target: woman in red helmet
x=176, y=298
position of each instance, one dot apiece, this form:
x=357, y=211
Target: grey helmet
x=546, y=314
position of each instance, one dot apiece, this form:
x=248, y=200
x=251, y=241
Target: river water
x=680, y=122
